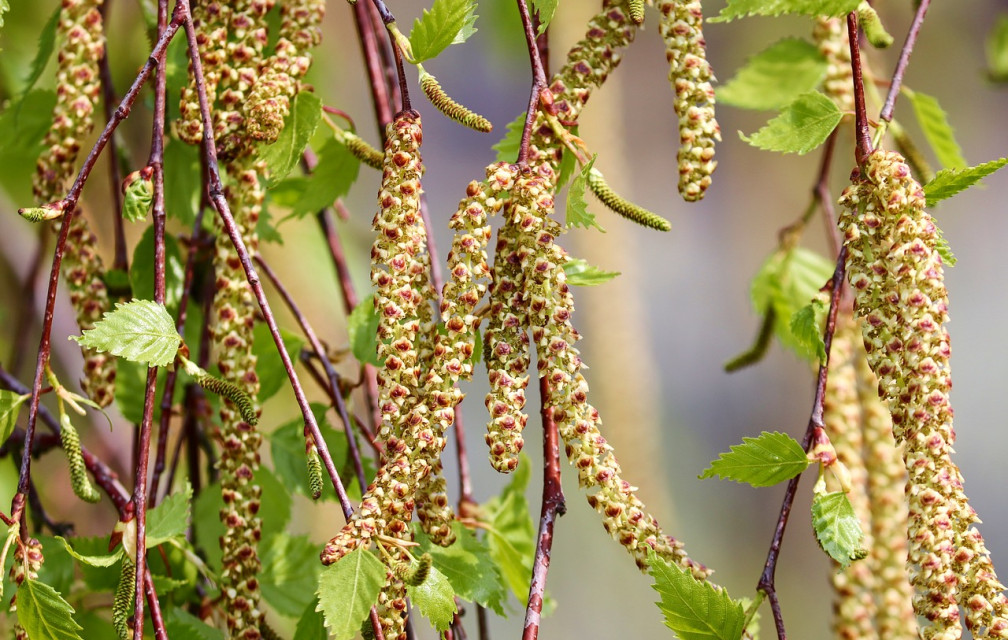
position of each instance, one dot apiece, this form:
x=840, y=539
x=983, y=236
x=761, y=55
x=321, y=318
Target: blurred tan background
x=655, y=338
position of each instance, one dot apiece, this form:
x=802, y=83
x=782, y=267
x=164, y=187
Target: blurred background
x=656, y=338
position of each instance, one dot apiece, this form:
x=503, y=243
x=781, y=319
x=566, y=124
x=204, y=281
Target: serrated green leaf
x=935, y=125
x=96, y=578
x=23, y=127
x=101, y=561
x=837, y=528
x=289, y=572
x=800, y=127
x=508, y=146
x=581, y=274
x=362, y=326
x=302, y=121
x=577, y=214
x=10, y=405
x=141, y=275
x=447, y=22
x=773, y=78
x=807, y=327
x=138, y=330
x=997, y=50
x=742, y=8
x=138, y=197
x=763, y=461
x=949, y=182
x=46, y=40
x=336, y=170
x=269, y=366
x=346, y=591
x=44, y=614
x=694, y=610
x=468, y=565
x=435, y=599
x=943, y=248
x=311, y=625
x=546, y=9
x=170, y=518
x=179, y=623
x=512, y=534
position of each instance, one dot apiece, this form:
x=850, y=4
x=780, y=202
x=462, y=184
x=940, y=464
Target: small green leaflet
x=336, y=170
x=837, y=528
x=773, y=78
x=10, y=405
x=800, y=127
x=762, y=461
x=997, y=50
x=284, y=154
x=507, y=147
x=511, y=537
x=546, y=9
x=138, y=330
x=138, y=197
x=46, y=40
x=943, y=248
x=447, y=22
x=694, y=610
x=170, y=518
x=742, y=8
x=179, y=623
x=807, y=328
x=289, y=572
x=362, y=325
x=581, y=274
x=346, y=591
x=468, y=566
x=435, y=599
x=949, y=182
x=311, y=626
x=577, y=214
x=101, y=561
x=44, y=614
x=935, y=125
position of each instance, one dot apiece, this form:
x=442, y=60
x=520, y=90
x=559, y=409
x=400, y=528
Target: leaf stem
x=904, y=58
x=862, y=130
x=539, y=82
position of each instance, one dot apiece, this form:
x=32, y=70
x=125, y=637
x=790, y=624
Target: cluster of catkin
x=82, y=45
x=896, y=274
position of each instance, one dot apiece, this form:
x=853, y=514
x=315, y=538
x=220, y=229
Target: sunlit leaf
x=346, y=591
x=935, y=125
x=44, y=614
x=837, y=527
x=447, y=22
x=139, y=330
x=949, y=182
x=773, y=78
x=807, y=328
x=508, y=146
x=170, y=518
x=742, y=8
x=435, y=599
x=10, y=405
x=284, y=154
x=511, y=533
x=800, y=127
x=336, y=170
x=762, y=461
x=546, y=9
x=581, y=274
x=468, y=565
x=577, y=214
x=362, y=326
x=694, y=610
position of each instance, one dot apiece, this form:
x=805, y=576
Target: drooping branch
x=897, y=78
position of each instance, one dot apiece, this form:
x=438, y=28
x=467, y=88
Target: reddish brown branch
x=539, y=82
x=904, y=58
x=862, y=133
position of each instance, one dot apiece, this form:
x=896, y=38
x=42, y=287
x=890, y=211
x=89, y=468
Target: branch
x=904, y=58
x=539, y=83
x=862, y=131
x=380, y=91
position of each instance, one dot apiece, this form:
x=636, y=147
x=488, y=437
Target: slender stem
x=862, y=129
x=904, y=58
x=553, y=505
x=372, y=63
x=766, y=582
x=216, y=195
x=539, y=83
x=121, y=260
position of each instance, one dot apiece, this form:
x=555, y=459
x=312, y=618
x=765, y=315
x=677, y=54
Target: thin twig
x=372, y=62
x=862, y=130
x=539, y=82
x=897, y=79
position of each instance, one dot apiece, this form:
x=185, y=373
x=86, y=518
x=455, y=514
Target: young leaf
x=773, y=78
x=10, y=405
x=546, y=9
x=512, y=534
x=435, y=599
x=742, y=8
x=105, y=560
x=284, y=154
x=179, y=623
x=837, y=528
x=762, y=461
x=800, y=127
x=170, y=518
x=943, y=248
x=949, y=182
x=468, y=566
x=807, y=328
x=44, y=614
x=997, y=50
x=311, y=625
x=362, y=325
x=447, y=22
x=138, y=195
x=46, y=40
x=935, y=125
x=336, y=170
x=694, y=610
x=581, y=274
x=346, y=591
x=138, y=330
x=22, y=130
x=289, y=572
x=577, y=214
x=507, y=147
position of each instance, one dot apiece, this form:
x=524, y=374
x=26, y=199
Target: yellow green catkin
x=446, y=105
x=598, y=185
x=79, y=480
x=122, y=604
x=362, y=149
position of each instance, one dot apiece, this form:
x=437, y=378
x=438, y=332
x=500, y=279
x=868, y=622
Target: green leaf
x=182, y=180
x=138, y=330
x=997, y=50
x=773, y=78
x=289, y=572
x=23, y=127
x=512, y=534
x=130, y=386
x=800, y=127
x=469, y=567
x=581, y=274
x=546, y=9
x=807, y=328
x=287, y=446
x=170, y=518
x=694, y=610
x=346, y=591
x=787, y=281
x=138, y=197
x=837, y=528
x=311, y=625
x=44, y=614
x=302, y=121
x=943, y=248
x=4, y=8
x=949, y=182
x=336, y=170
x=362, y=325
x=447, y=22
x=269, y=366
x=435, y=599
x=762, y=461
x=577, y=214
x=935, y=125
x=141, y=274
x=46, y=40
x=742, y=8
x=10, y=405
x=100, y=561
x=179, y=623
x=508, y=146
